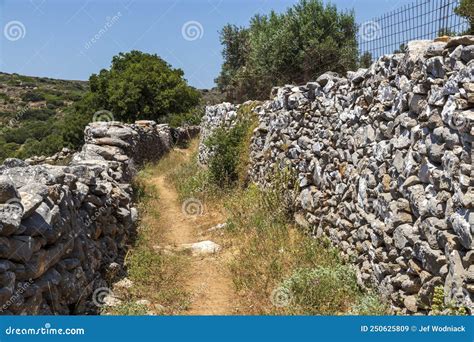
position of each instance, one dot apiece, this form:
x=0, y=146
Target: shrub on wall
x=230, y=148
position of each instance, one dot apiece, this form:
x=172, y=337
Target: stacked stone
x=384, y=164
x=219, y=116
x=64, y=229
x=57, y=158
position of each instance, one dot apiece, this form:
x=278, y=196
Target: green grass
x=275, y=255
x=128, y=309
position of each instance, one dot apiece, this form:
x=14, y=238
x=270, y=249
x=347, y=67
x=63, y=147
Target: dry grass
x=276, y=267
x=277, y=259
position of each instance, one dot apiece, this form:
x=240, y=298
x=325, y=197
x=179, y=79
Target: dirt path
x=207, y=278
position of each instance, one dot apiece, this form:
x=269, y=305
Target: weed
x=128, y=309
x=440, y=307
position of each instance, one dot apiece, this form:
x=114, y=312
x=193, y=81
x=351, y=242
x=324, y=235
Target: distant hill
x=32, y=111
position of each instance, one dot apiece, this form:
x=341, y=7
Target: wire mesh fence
x=422, y=19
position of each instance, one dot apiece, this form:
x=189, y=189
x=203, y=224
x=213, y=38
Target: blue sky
x=71, y=39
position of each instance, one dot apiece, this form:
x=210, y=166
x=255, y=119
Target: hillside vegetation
x=32, y=111
x=40, y=116
x=275, y=267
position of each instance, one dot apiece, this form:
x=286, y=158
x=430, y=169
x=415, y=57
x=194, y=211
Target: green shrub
x=271, y=251
x=369, y=304
x=292, y=47
x=139, y=85
x=46, y=146
x=230, y=148
x=322, y=290
x=54, y=103
x=190, y=118
x=365, y=60
x=225, y=153
x=37, y=114
x=31, y=96
x=127, y=309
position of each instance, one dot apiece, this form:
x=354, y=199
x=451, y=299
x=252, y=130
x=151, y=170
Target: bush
x=37, y=114
x=190, y=118
x=127, y=308
x=31, y=96
x=230, y=149
x=369, y=304
x=271, y=251
x=307, y=40
x=142, y=86
x=75, y=121
x=46, y=146
x=465, y=9
x=8, y=150
x=137, y=86
x=440, y=307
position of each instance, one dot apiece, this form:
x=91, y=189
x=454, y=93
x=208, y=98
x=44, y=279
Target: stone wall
x=221, y=115
x=384, y=164
x=64, y=230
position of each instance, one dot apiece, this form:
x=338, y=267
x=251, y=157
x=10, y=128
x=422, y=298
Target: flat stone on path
x=197, y=248
x=203, y=247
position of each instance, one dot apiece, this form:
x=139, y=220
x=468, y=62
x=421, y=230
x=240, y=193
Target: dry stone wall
x=384, y=165
x=64, y=229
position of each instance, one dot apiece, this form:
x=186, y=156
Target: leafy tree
x=137, y=86
x=293, y=47
x=8, y=150
x=142, y=86
x=235, y=52
x=465, y=9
